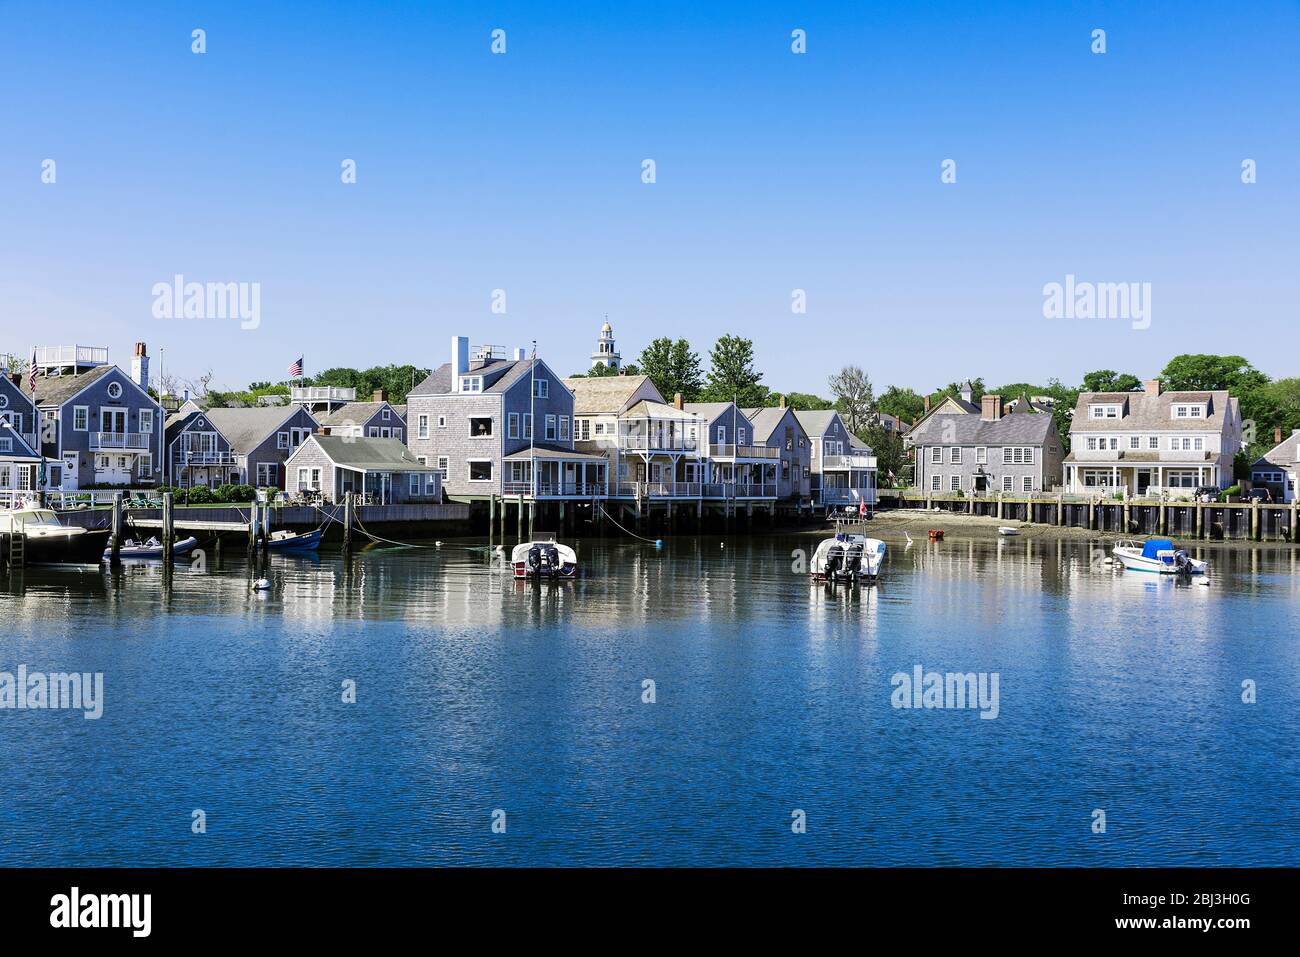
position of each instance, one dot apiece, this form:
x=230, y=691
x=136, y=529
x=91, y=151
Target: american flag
x=295, y=369
x=33, y=372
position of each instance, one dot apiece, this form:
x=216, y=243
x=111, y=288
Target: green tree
x=953, y=389
x=732, y=374
x=1204, y=373
x=907, y=404
x=806, y=402
x=854, y=399
x=1108, y=380
x=887, y=446
x=673, y=368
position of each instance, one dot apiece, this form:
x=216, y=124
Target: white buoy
x=262, y=584
x=437, y=544
x=1203, y=581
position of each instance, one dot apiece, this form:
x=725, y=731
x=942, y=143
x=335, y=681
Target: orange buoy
x=936, y=534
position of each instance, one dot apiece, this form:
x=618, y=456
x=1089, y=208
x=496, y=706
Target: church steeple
x=606, y=353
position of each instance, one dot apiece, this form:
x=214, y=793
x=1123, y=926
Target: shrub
x=241, y=494
x=199, y=495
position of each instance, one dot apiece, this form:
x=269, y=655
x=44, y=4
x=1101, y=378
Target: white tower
x=606, y=354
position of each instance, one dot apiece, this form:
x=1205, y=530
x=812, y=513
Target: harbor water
x=695, y=704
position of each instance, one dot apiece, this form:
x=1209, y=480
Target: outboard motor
x=834, y=561
x=551, y=555
x=1182, y=562
x=535, y=559
x=853, y=563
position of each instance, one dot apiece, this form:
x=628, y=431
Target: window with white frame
x=1006, y=483
x=954, y=483
x=741, y=434
x=442, y=421
x=722, y=435
x=431, y=483
x=385, y=415
x=413, y=483
x=1153, y=442
x=480, y=470
x=1092, y=443
x=934, y=482
x=6, y=445
x=443, y=463
x=512, y=425
x=1029, y=483
x=564, y=428
x=422, y=426
x=144, y=465
x=1198, y=444
x=471, y=383
x=550, y=428
x=527, y=419
x=954, y=455
x=480, y=426
x=936, y=454
x=541, y=388
x=1018, y=455
x=1135, y=441
x=1104, y=411
x=981, y=454
x=374, y=432
x=80, y=418
x=1188, y=411
x=268, y=474
x=146, y=421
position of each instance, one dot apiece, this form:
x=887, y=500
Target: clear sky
x=775, y=172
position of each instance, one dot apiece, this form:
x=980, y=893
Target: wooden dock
x=1230, y=521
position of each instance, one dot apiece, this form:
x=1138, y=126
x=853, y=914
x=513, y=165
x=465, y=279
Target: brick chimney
x=1152, y=386
x=783, y=402
x=1277, y=436
x=990, y=407
x=381, y=395
x=927, y=403
x=677, y=401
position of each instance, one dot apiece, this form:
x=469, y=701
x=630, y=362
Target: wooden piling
x=347, y=521
x=115, y=546
x=169, y=527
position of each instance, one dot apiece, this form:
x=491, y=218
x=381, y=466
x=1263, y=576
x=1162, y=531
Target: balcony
x=842, y=463
x=322, y=393
x=551, y=489
x=658, y=490
x=125, y=441
x=844, y=496
x=717, y=451
x=658, y=443
x=734, y=490
x=197, y=457
x=54, y=357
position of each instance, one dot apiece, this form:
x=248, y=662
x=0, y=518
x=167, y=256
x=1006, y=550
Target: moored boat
x=152, y=549
x=47, y=541
x=1158, y=555
x=284, y=540
x=543, y=558
x=847, y=558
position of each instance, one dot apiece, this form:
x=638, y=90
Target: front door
x=113, y=421
x=70, y=472
x=1143, y=481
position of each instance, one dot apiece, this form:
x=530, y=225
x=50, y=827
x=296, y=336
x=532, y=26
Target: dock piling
x=116, y=544
x=168, y=529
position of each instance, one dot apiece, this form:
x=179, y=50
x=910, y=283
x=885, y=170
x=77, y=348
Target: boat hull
x=180, y=549
x=561, y=573
x=84, y=549
x=1136, y=563
x=306, y=542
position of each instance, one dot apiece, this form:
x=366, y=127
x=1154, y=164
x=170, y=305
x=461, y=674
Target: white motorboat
x=543, y=558
x=1157, y=555
x=847, y=558
x=47, y=541
x=152, y=549
x=1008, y=530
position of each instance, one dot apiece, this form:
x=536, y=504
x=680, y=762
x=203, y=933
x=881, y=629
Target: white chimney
x=459, y=360
x=521, y=355
x=140, y=366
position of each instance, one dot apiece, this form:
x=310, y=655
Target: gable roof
x=498, y=376
x=967, y=429
x=1148, y=411
x=21, y=450
x=376, y=455
x=659, y=410
x=817, y=422
x=766, y=420
x=610, y=393
x=246, y=429
x=1283, y=455
x=355, y=413
x=58, y=389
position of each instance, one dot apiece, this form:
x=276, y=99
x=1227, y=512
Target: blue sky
x=775, y=172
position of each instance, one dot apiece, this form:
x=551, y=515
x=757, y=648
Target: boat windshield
x=39, y=517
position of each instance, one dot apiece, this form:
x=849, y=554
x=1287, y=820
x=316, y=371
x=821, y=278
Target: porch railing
x=121, y=440
x=187, y=457
x=842, y=462
x=844, y=496
x=552, y=489
x=659, y=443
x=723, y=451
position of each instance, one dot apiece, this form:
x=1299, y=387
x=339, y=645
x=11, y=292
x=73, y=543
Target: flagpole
x=40, y=475
x=532, y=422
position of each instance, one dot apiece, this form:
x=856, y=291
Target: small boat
x=543, y=558
x=1008, y=530
x=284, y=540
x=1157, y=555
x=47, y=541
x=847, y=558
x=152, y=548
x=936, y=534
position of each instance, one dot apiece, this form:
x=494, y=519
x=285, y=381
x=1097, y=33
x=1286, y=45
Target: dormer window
x=471, y=383
x=1104, y=411
x=1188, y=411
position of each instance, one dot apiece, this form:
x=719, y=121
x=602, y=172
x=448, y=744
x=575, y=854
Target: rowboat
x=284, y=540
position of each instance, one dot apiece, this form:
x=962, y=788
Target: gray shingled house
x=376, y=419
x=988, y=450
x=1276, y=469
x=843, y=468
x=1152, y=442
x=259, y=439
x=778, y=428
x=382, y=471
x=484, y=421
